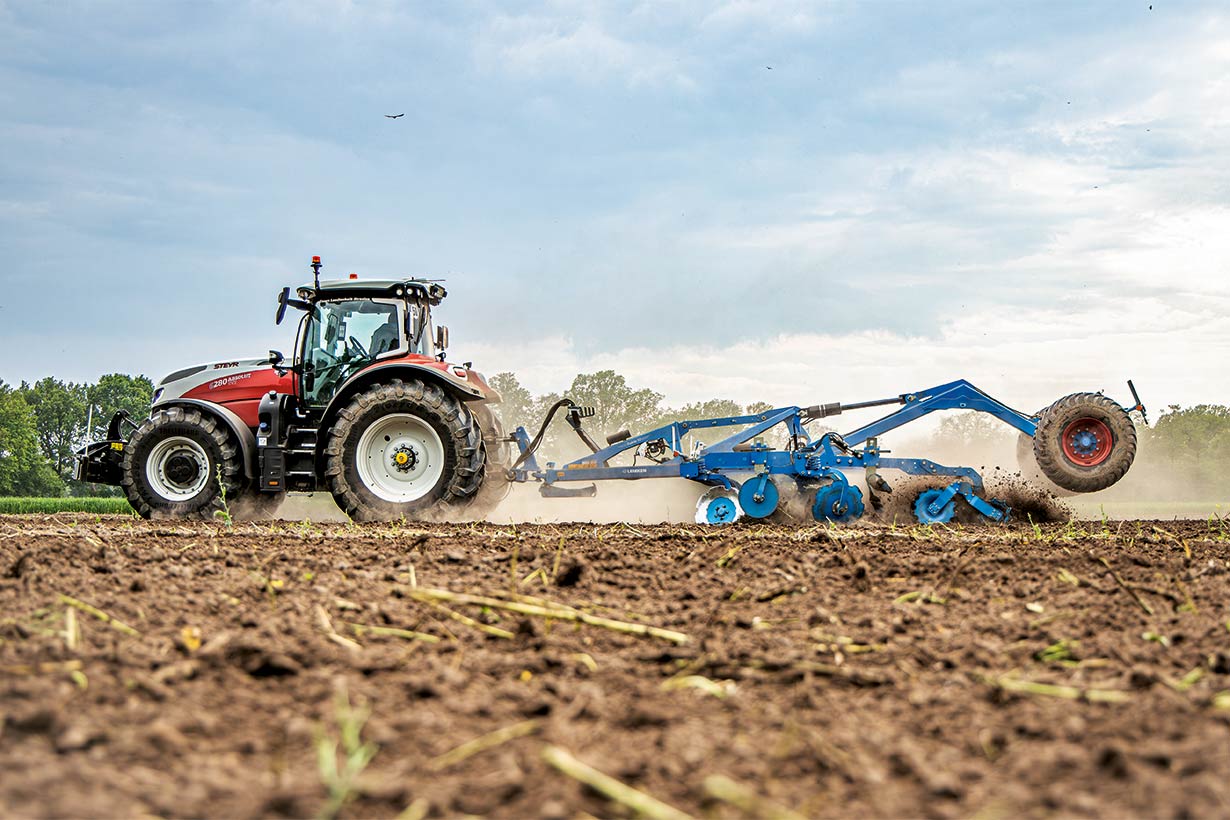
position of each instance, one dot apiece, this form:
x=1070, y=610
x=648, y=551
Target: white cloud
x=1027, y=358
x=771, y=15
x=580, y=51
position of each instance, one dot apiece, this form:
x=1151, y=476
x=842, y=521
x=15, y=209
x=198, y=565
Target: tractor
x=369, y=409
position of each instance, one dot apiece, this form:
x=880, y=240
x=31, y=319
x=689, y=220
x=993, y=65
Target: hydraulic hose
x=542, y=431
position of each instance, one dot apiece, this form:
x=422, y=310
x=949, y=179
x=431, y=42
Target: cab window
x=343, y=337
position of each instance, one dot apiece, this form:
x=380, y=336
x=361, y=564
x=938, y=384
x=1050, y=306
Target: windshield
x=344, y=336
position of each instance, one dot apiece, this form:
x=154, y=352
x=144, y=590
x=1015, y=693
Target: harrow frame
x=817, y=460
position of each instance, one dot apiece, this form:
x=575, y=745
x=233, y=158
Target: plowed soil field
x=442, y=670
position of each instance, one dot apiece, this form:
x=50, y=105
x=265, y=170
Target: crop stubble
x=870, y=670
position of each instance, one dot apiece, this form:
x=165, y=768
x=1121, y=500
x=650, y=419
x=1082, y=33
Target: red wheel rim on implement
x=1086, y=442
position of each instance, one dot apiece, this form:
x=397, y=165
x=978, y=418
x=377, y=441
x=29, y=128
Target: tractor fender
x=473, y=388
x=247, y=441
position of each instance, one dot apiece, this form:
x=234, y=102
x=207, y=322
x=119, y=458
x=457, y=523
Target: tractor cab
x=351, y=324
x=358, y=336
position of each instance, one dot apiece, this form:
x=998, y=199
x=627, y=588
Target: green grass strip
x=13, y=505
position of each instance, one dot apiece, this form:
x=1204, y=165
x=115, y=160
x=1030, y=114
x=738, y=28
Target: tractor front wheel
x=400, y=449
x=177, y=464
x=1085, y=442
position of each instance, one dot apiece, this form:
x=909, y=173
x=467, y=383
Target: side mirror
x=283, y=298
x=441, y=338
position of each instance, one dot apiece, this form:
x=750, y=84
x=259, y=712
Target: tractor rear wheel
x=1085, y=442
x=401, y=449
x=177, y=464
x=498, y=459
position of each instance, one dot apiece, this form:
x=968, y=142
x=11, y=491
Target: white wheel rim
x=165, y=468
x=400, y=458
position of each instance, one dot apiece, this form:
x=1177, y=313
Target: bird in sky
x=394, y=116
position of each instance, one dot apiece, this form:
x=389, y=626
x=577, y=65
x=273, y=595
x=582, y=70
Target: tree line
x=617, y=406
x=1185, y=453
x=41, y=424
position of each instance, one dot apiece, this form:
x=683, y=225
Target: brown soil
x=874, y=670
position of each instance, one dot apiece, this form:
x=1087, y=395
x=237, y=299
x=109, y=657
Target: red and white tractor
x=368, y=408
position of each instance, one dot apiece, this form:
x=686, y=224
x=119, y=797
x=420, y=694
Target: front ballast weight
x=1082, y=443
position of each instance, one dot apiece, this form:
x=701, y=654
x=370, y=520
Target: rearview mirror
x=441, y=338
x=284, y=300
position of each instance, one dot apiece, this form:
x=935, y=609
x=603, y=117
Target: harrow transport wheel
x=172, y=464
x=1085, y=442
x=1031, y=472
x=400, y=449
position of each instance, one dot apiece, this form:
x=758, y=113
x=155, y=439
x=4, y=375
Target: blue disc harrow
x=747, y=477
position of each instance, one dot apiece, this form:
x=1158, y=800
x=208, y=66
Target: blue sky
x=788, y=201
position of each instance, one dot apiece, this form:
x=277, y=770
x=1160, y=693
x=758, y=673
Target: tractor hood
x=210, y=377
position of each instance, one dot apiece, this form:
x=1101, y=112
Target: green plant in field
x=269, y=585
x=1071, y=530
x=1059, y=652
x=340, y=780
x=1218, y=525
x=225, y=512
x=1034, y=524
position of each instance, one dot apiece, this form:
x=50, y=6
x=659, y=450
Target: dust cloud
x=1153, y=488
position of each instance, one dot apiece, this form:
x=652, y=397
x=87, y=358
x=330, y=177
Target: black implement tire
x=434, y=434
x=173, y=461
x=1085, y=442
x=1031, y=472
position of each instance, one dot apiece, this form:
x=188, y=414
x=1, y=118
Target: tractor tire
x=1085, y=442
x=402, y=449
x=1031, y=472
x=498, y=458
x=177, y=464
